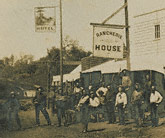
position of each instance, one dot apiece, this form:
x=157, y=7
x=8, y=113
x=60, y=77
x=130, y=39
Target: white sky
x=17, y=33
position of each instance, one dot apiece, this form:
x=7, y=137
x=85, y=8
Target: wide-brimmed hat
x=124, y=70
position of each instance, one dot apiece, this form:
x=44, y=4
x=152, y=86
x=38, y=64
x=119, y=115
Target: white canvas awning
x=109, y=67
x=75, y=74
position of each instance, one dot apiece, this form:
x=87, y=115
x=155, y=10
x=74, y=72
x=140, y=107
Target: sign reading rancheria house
x=108, y=42
x=45, y=19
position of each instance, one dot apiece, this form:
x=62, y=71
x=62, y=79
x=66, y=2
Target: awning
x=109, y=67
x=67, y=77
x=72, y=76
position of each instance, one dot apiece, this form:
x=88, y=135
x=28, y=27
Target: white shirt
x=77, y=90
x=155, y=98
x=103, y=89
x=94, y=102
x=83, y=100
x=121, y=98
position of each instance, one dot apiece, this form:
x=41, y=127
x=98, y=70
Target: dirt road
x=96, y=130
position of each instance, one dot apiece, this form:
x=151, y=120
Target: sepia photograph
x=82, y=68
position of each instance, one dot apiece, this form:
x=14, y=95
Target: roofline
x=117, y=26
x=149, y=13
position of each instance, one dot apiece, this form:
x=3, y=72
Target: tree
x=27, y=71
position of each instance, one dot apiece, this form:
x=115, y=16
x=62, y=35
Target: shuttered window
x=157, y=31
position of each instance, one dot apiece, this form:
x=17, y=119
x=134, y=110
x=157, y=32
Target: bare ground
x=96, y=130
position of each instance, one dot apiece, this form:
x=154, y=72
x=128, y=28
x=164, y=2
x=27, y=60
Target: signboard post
x=108, y=41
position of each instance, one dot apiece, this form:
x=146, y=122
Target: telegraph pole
x=127, y=35
x=61, y=50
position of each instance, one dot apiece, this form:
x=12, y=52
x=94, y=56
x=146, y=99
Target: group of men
x=133, y=102
x=97, y=103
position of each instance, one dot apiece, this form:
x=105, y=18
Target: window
x=157, y=31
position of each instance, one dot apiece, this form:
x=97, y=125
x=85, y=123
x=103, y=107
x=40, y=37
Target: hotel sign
x=45, y=19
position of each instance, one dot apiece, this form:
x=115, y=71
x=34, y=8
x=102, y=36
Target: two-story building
x=148, y=41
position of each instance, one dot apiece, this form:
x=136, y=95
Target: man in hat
x=155, y=100
x=110, y=104
x=102, y=89
x=126, y=84
x=147, y=88
x=61, y=103
x=101, y=93
x=51, y=99
x=93, y=104
x=40, y=105
x=77, y=88
x=137, y=101
x=121, y=102
x=83, y=107
x=93, y=100
x=126, y=81
x=13, y=107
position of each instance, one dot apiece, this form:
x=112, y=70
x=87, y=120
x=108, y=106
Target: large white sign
x=45, y=19
x=108, y=42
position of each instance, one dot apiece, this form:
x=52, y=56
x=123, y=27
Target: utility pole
x=61, y=50
x=48, y=81
x=127, y=36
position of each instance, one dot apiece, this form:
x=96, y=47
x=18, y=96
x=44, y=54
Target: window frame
x=157, y=31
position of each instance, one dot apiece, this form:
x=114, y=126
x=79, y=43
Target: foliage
x=27, y=72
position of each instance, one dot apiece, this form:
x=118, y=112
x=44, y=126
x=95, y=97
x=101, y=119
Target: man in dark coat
x=40, y=105
x=13, y=107
x=137, y=101
x=83, y=107
x=110, y=105
x=61, y=103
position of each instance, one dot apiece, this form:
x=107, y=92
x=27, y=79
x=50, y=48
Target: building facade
x=148, y=41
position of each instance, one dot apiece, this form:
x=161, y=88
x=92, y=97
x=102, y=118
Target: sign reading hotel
x=108, y=42
x=45, y=19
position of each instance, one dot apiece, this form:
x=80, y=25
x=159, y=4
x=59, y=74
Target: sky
x=17, y=27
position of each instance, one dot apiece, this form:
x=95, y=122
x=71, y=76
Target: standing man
x=13, y=107
x=61, y=106
x=110, y=105
x=137, y=101
x=93, y=105
x=83, y=107
x=77, y=89
x=121, y=102
x=147, y=92
x=126, y=83
x=101, y=94
x=40, y=105
x=126, y=80
x=155, y=100
x=102, y=89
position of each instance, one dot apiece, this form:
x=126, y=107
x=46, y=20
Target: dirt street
x=96, y=130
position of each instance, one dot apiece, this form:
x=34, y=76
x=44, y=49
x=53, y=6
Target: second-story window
x=157, y=31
